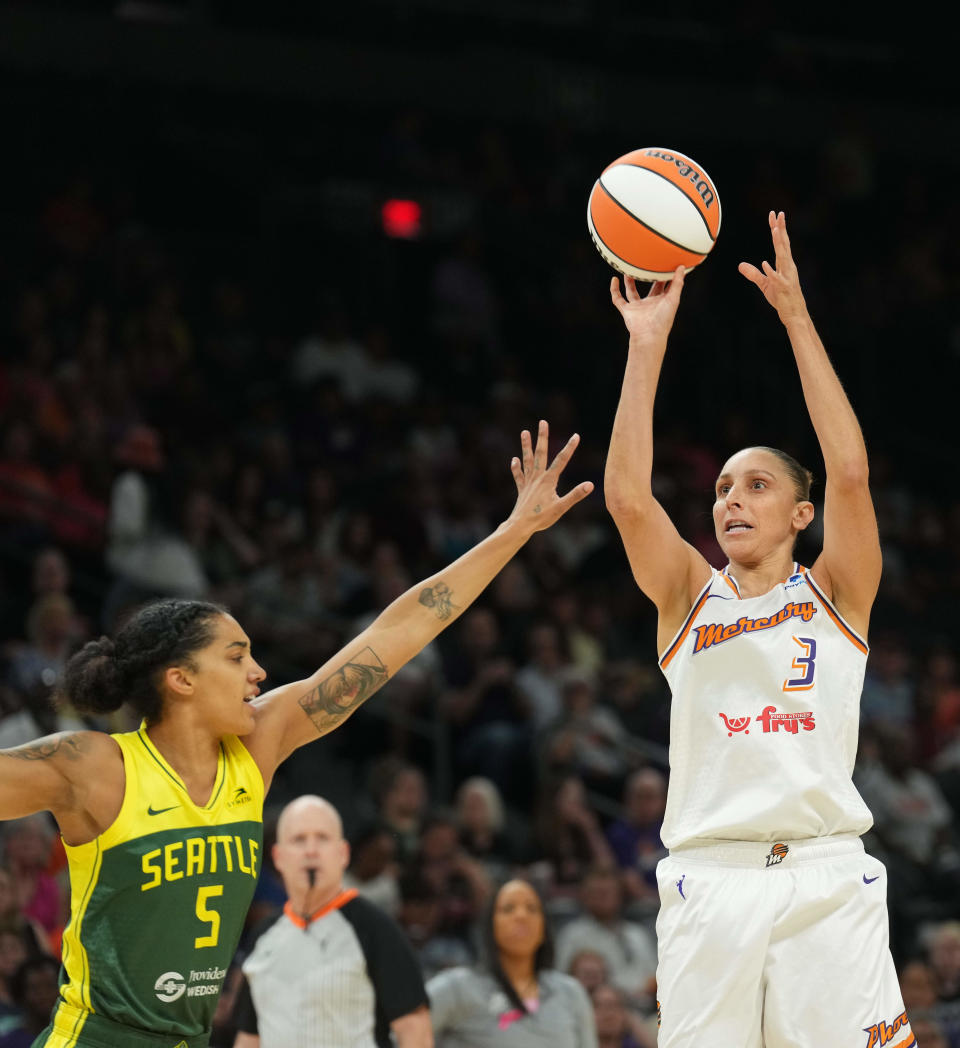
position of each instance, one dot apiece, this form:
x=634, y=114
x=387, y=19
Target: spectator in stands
x=12, y=954
x=515, y=997
x=635, y=837
x=516, y=600
x=944, y=950
x=918, y=988
x=224, y=550
x=911, y=817
x=333, y=969
x=27, y=844
x=938, y=702
x=568, y=835
x=400, y=794
x=628, y=948
x=616, y=1026
x=466, y=308
x=485, y=833
x=589, y=968
x=929, y=1033
x=13, y=919
x=540, y=679
x=459, y=881
x=912, y=833
x=373, y=868
x=943, y=955
x=25, y=487
x=332, y=350
x=577, y=623
x=54, y=631
x=223, y=1033
x=587, y=738
x=146, y=553
x=17, y=721
x=33, y=988
x=50, y=573
x=419, y=917
x=888, y=685
x=488, y=715
x=386, y=375
x=288, y=608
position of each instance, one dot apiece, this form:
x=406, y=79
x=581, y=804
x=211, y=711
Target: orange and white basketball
x=653, y=210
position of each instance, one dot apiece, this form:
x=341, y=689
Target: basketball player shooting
x=773, y=925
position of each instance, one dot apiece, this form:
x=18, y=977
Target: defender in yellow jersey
x=160, y=897
x=162, y=826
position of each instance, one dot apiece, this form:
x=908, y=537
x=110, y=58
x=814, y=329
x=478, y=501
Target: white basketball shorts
x=781, y=945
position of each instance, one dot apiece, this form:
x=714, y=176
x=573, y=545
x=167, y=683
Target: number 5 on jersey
x=803, y=665
x=208, y=916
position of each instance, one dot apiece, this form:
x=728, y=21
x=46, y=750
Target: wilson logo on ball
x=653, y=210
x=688, y=171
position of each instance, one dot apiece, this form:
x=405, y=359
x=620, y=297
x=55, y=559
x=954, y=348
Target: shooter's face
x=756, y=509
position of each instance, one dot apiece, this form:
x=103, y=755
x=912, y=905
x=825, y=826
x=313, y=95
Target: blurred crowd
x=167, y=428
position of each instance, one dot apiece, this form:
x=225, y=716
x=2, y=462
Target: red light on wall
x=401, y=219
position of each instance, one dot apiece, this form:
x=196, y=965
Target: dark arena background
x=308, y=269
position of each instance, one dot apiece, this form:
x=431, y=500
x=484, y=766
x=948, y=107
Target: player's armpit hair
x=338, y=695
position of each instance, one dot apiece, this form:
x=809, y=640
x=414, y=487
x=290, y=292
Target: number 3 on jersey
x=803, y=665
x=208, y=916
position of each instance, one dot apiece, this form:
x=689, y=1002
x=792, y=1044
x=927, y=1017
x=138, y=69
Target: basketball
x=653, y=210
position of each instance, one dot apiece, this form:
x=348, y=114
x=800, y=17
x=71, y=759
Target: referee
x=333, y=971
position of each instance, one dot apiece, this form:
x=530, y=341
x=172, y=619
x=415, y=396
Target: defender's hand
x=538, y=504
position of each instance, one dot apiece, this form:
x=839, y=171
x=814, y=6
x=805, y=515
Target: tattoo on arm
x=438, y=597
x=335, y=698
x=68, y=746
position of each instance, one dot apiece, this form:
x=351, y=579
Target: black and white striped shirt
x=337, y=981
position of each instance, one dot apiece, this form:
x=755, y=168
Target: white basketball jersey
x=765, y=716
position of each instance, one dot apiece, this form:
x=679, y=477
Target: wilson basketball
x=653, y=210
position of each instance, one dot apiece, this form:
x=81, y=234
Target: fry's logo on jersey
x=881, y=1033
x=736, y=724
x=791, y=722
x=770, y=721
x=716, y=632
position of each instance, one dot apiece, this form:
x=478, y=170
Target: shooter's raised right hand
x=649, y=317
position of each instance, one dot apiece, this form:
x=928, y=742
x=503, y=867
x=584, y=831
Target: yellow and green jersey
x=158, y=903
